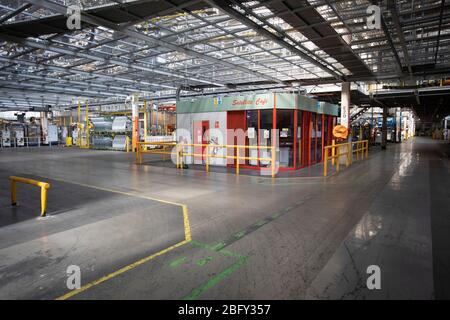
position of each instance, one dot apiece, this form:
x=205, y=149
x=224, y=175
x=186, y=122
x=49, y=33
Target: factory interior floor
x=152, y=232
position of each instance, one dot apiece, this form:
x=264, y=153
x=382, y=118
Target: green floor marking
x=177, y=262
x=240, y=234
x=218, y=246
x=197, y=292
x=203, y=261
x=276, y=215
x=229, y=253
x=260, y=222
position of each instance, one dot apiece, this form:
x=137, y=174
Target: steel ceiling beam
x=395, y=18
x=47, y=45
x=389, y=40
x=225, y=6
x=40, y=87
x=84, y=83
x=96, y=21
x=439, y=32
x=136, y=83
x=14, y=13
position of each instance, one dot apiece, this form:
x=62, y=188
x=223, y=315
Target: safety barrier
x=360, y=148
x=158, y=139
x=43, y=185
x=169, y=148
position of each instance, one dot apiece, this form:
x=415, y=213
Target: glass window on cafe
x=285, y=126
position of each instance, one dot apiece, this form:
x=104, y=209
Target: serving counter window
x=285, y=126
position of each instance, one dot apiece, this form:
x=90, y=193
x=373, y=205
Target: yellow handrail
x=362, y=148
x=237, y=157
x=166, y=146
x=180, y=153
x=43, y=185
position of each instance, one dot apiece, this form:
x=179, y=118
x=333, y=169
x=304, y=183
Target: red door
x=306, y=138
x=236, y=126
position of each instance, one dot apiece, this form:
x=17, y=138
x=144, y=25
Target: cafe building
x=303, y=127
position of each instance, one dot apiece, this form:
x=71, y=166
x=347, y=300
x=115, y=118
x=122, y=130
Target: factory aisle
x=405, y=232
x=252, y=237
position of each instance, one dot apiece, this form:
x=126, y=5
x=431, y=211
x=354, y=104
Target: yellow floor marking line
x=120, y=271
x=187, y=229
x=187, y=237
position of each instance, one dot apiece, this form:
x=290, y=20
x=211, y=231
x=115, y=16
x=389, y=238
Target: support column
x=345, y=118
x=86, y=126
x=135, y=119
x=145, y=121
x=44, y=127
x=79, y=125
x=372, y=135
x=345, y=105
x=384, y=128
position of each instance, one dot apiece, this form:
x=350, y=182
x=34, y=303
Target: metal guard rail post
x=237, y=157
x=43, y=185
x=167, y=149
x=180, y=154
x=362, y=148
x=335, y=156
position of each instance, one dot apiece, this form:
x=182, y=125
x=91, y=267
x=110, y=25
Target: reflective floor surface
x=251, y=237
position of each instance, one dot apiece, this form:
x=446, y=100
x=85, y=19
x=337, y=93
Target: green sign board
x=257, y=101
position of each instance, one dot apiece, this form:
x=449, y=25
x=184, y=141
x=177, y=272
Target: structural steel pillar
x=135, y=119
x=345, y=115
x=384, y=128
x=345, y=105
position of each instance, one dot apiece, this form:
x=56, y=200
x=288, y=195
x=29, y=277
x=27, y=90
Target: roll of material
x=102, y=142
x=102, y=124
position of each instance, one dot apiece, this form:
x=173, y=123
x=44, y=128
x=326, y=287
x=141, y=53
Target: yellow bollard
x=325, y=163
x=43, y=201
x=43, y=185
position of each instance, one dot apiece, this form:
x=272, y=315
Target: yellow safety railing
x=336, y=154
x=236, y=157
x=43, y=185
x=168, y=148
x=361, y=150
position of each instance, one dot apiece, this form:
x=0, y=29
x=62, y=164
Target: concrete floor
x=252, y=237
